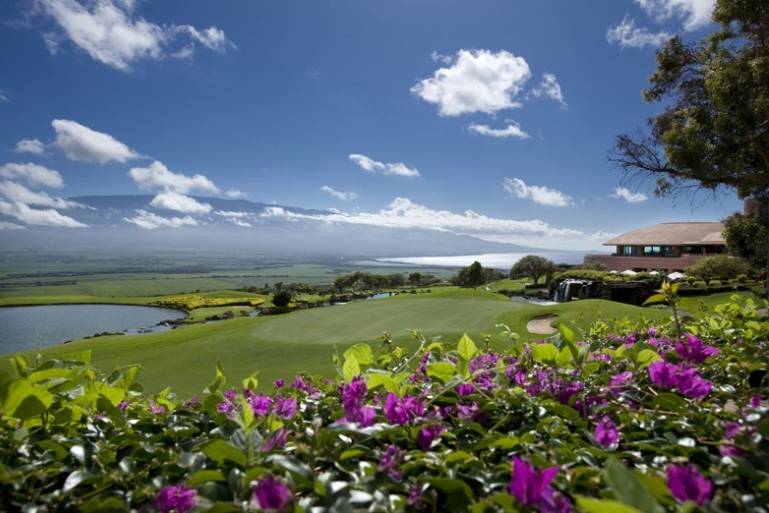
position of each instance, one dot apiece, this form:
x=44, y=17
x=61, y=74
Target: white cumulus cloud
x=550, y=88
x=158, y=176
x=234, y=194
x=346, y=196
x=475, y=81
x=33, y=174
x=149, y=221
x=80, y=143
x=537, y=193
x=112, y=33
x=511, y=130
x=404, y=213
x=17, y=193
x=628, y=34
x=179, y=202
x=628, y=195
x=694, y=14
x=33, y=146
x=373, y=166
x=38, y=217
x=6, y=225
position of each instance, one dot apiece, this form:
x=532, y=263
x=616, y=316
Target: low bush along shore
x=624, y=419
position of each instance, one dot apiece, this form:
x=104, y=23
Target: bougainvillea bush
x=627, y=418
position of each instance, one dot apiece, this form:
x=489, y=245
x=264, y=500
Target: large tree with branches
x=714, y=129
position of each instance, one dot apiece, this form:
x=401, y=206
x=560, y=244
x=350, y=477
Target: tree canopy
x=532, y=266
x=714, y=129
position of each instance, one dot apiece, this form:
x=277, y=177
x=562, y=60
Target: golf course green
x=304, y=341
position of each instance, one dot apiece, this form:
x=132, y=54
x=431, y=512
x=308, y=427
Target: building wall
x=642, y=263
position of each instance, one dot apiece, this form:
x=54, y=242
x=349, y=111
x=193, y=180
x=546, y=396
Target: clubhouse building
x=666, y=246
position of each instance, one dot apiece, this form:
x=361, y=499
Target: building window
x=628, y=250
x=667, y=251
x=652, y=250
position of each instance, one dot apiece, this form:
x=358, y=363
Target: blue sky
x=504, y=108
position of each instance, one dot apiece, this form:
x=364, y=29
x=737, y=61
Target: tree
x=714, y=130
x=470, y=276
x=282, y=298
x=717, y=267
x=532, y=266
x=415, y=279
x=747, y=236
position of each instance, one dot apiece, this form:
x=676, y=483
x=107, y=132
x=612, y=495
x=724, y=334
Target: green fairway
x=281, y=345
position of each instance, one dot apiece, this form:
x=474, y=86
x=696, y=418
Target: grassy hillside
x=304, y=340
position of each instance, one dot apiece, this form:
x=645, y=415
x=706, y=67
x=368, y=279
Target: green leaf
x=544, y=353
x=251, y=382
x=567, y=333
x=627, y=488
x=218, y=382
x=443, y=371
x=603, y=506
x=25, y=400
x=565, y=357
x=670, y=401
x=221, y=451
x=458, y=493
x=362, y=353
x=376, y=379
x=647, y=356
x=203, y=476
x=655, y=299
x=466, y=347
x=351, y=368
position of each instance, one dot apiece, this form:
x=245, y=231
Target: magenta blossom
x=465, y=389
x=156, y=408
x=178, y=498
x=353, y=400
x=428, y=434
x=260, y=404
x=530, y=486
x=687, y=484
x=277, y=439
x=270, y=493
x=402, y=411
x=686, y=380
x=278, y=383
x=663, y=374
x=389, y=462
x=693, y=350
x=285, y=407
x=606, y=433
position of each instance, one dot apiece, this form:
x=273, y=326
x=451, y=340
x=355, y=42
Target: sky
x=484, y=117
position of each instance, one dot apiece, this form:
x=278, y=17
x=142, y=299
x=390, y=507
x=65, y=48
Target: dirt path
x=541, y=325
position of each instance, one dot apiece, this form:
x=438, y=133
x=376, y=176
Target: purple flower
x=530, y=486
x=155, y=408
x=663, y=374
x=465, y=389
x=687, y=484
x=276, y=439
x=353, y=399
x=428, y=434
x=260, y=404
x=278, y=383
x=178, y=498
x=652, y=331
x=606, y=433
x=620, y=381
x=694, y=350
x=230, y=394
x=755, y=401
x=123, y=406
x=402, y=411
x=390, y=461
x=731, y=430
x=285, y=407
x=467, y=411
x=300, y=384
x=270, y=493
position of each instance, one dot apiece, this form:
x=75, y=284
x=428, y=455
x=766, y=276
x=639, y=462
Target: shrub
x=282, y=298
x=718, y=267
x=450, y=427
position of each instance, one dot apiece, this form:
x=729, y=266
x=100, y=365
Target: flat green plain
x=278, y=346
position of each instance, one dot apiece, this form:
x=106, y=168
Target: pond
x=29, y=327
